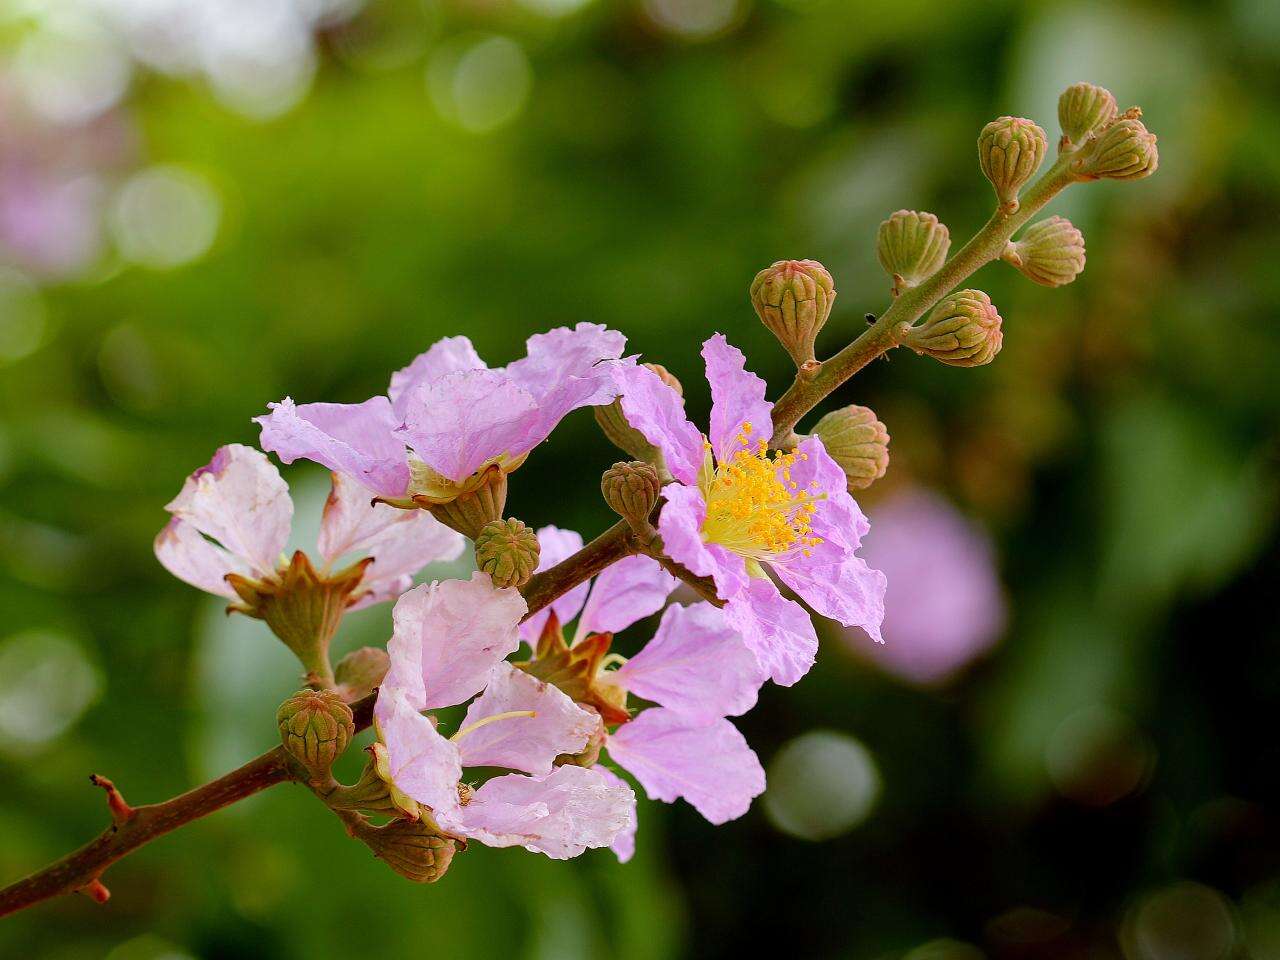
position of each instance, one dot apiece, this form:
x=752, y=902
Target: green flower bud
x=912, y=246
x=360, y=671
x=507, y=551
x=858, y=441
x=963, y=331
x=793, y=299
x=1010, y=150
x=1050, y=252
x=315, y=727
x=1124, y=150
x=412, y=848
x=613, y=422
x=631, y=491
x=1084, y=108
x=483, y=501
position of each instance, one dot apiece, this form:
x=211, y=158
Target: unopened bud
x=1010, y=150
x=1084, y=108
x=315, y=727
x=858, y=442
x=412, y=848
x=912, y=246
x=1050, y=252
x=963, y=331
x=360, y=671
x=613, y=422
x=1124, y=150
x=793, y=299
x=507, y=550
x=631, y=490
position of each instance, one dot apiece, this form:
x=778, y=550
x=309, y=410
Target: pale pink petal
x=629, y=590
x=566, y=369
x=657, y=411
x=681, y=527
x=524, y=743
x=351, y=438
x=624, y=844
x=448, y=636
x=561, y=815
x=696, y=664
x=239, y=499
x=424, y=764
x=737, y=398
x=460, y=422
x=449, y=355
x=832, y=578
x=190, y=557
x=707, y=764
x=555, y=545
x=777, y=630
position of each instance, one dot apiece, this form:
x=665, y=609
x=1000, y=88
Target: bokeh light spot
x=71, y=68
x=46, y=684
x=1097, y=756
x=821, y=784
x=1186, y=921
x=22, y=316
x=165, y=216
x=480, y=87
x=695, y=19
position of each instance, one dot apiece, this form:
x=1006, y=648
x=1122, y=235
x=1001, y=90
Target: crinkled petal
x=561, y=815
x=625, y=592
x=737, y=398
x=681, y=527
x=460, y=422
x=351, y=438
x=832, y=578
x=240, y=500
x=696, y=664
x=624, y=844
x=777, y=630
x=524, y=743
x=450, y=355
x=555, y=545
x=565, y=369
x=190, y=557
x=673, y=756
x=657, y=411
x=448, y=636
x=424, y=765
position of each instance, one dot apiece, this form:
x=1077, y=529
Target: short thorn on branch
x=96, y=891
x=121, y=812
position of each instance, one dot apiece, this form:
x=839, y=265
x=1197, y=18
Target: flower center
x=754, y=508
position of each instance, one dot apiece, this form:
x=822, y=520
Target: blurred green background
x=206, y=206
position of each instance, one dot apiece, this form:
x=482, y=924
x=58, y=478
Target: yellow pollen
x=754, y=508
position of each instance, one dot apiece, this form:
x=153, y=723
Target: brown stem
x=615, y=543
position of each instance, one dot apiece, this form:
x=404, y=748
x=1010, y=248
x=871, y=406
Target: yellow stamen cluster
x=754, y=508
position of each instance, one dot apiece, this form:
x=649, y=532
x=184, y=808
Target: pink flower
x=944, y=606
x=449, y=644
x=456, y=415
x=240, y=501
x=737, y=509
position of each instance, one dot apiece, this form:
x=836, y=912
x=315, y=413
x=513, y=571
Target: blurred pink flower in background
x=944, y=605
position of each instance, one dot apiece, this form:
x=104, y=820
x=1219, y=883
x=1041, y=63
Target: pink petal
x=239, y=499
x=624, y=844
x=696, y=664
x=737, y=397
x=708, y=764
x=424, y=764
x=681, y=527
x=625, y=592
x=351, y=438
x=657, y=411
x=777, y=630
x=566, y=369
x=524, y=743
x=573, y=809
x=449, y=355
x=448, y=636
x=556, y=545
x=190, y=557
x=833, y=579
x=462, y=421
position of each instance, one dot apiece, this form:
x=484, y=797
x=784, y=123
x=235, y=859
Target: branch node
x=96, y=891
x=121, y=812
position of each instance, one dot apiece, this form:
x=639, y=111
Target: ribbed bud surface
x=507, y=550
x=1010, y=151
x=315, y=727
x=856, y=440
x=912, y=245
x=793, y=299
x=963, y=331
x=1050, y=252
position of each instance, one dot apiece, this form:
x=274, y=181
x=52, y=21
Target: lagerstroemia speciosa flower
x=457, y=416
x=240, y=501
x=737, y=509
